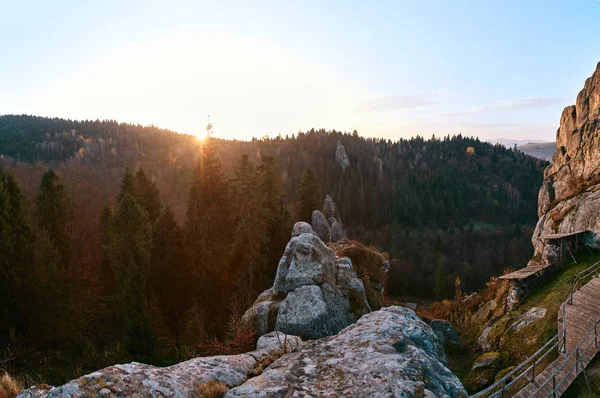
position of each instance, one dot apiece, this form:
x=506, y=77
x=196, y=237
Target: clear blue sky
x=388, y=68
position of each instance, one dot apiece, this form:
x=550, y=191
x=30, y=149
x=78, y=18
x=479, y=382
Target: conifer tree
x=130, y=243
x=146, y=193
x=207, y=231
x=127, y=185
x=276, y=216
x=309, y=196
x=16, y=260
x=54, y=214
x=250, y=228
x=170, y=276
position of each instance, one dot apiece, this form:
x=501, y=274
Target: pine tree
x=277, y=217
x=49, y=293
x=309, y=196
x=207, y=231
x=170, y=276
x=130, y=243
x=146, y=193
x=54, y=214
x=16, y=260
x=250, y=229
x=127, y=185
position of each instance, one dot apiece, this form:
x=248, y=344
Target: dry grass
x=211, y=389
x=9, y=387
x=264, y=363
x=367, y=261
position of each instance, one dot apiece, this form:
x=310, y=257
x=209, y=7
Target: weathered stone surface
x=321, y=226
x=390, y=352
x=532, y=315
x=569, y=200
x=140, y=380
x=483, y=372
x=306, y=261
x=302, y=227
x=445, y=332
x=337, y=230
x=279, y=341
x=484, y=312
x=38, y=391
x=314, y=293
x=340, y=156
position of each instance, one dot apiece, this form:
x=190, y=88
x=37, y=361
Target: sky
x=386, y=68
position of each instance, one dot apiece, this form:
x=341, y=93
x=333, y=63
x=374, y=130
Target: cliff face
x=569, y=199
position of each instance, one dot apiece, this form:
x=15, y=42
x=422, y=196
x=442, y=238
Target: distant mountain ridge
x=541, y=150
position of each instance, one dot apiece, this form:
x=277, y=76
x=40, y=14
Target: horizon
x=391, y=70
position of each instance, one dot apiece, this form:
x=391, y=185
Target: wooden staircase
x=582, y=342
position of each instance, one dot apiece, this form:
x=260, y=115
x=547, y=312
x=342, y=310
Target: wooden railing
x=526, y=371
x=563, y=372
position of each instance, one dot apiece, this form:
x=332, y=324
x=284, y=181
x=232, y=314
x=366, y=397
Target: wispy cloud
x=395, y=102
x=515, y=104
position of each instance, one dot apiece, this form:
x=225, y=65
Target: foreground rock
x=390, y=352
x=569, y=199
x=140, y=380
x=315, y=294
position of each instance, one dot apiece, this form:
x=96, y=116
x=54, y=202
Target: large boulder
x=315, y=293
x=321, y=226
x=390, y=352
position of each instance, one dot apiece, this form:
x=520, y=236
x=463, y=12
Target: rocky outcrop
x=328, y=226
x=569, y=199
x=340, y=156
x=390, y=352
x=321, y=226
x=315, y=293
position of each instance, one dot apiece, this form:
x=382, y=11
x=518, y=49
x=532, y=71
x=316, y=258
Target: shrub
x=9, y=387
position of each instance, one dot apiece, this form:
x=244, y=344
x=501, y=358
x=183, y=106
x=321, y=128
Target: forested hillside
x=212, y=219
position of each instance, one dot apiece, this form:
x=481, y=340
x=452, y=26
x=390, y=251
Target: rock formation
x=390, y=352
x=569, y=199
x=321, y=226
x=315, y=294
x=328, y=226
x=340, y=156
